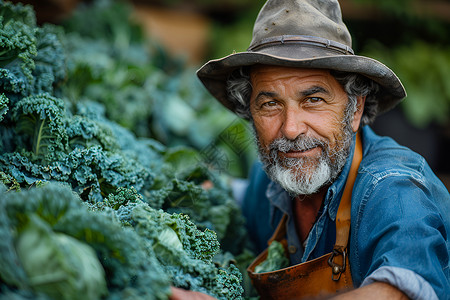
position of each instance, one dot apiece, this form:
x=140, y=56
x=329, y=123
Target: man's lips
x=298, y=154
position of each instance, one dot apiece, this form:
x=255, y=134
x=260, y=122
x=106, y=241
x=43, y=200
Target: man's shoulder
x=383, y=156
x=389, y=168
x=391, y=171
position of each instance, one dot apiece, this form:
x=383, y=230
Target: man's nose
x=293, y=124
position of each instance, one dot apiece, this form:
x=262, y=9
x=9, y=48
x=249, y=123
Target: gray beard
x=305, y=176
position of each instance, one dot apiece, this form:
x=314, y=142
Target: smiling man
x=359, y=216
x=288, y=103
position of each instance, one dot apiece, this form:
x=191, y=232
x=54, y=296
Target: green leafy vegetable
x=276, y=259
x=39, y=122
x=185, y=252
x=49, y=227
x=18, y=47
x=3, y=106
x=70, y=108
x=58, y=265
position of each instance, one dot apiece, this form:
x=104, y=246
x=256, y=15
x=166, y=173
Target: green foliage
x=235, y=36
x=39, y=122
x=54, y=129
x=54, y=246
x=18, y=47
x=185, y=252
x=50, y=65
x=3, y=106
x=425, y=80
x=106, y=20
x=9, y=181
x=142, y=89
x=276, y=259
x=58, y=265
x=92, y=172
x=399, y=7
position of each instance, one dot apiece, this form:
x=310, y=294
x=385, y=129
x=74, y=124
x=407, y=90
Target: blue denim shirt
x=400, y=220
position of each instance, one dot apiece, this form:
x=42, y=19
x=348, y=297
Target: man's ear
x=360, y=100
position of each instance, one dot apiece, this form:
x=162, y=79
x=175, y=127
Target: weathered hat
x=305, y=34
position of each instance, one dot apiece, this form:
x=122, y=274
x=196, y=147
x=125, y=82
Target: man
x=356, y=212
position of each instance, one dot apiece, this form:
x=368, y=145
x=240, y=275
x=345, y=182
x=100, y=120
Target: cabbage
x=59, y=265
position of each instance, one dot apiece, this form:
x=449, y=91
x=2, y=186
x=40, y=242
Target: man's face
x=303, y=132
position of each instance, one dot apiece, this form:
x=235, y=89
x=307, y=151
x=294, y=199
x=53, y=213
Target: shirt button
x=292, y=249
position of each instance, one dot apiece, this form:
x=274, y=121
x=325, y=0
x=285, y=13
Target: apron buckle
x=337, y=269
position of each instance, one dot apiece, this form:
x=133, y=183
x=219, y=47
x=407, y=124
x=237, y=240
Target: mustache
x=302, y=143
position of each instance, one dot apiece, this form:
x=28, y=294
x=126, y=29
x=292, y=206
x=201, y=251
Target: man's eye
x=269, y=104
x=314, y=99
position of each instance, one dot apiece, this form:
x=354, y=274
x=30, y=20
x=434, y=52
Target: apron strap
x=280, y=231
x=344, y=214
x=344, y=210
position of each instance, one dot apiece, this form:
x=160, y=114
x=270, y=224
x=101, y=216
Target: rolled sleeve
x=407, y=281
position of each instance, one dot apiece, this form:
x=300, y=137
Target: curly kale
x=9, y=181
x=108, y=64
x=211, y=208
x=64, y=103
x=3, y=106
x=185, y=252
x=32, y=58
x=276, y=259
x=105, y=19
x=114, y=201
x=31, y=62
x=54, y=246
x=50, y=61
x=93, y=173
x=44, y=138
x=95, y=73
x=17, y=47
x=46, y=143
x=39, y=123
x=84, y=132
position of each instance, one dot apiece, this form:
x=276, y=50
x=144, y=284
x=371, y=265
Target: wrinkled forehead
x=267, y=74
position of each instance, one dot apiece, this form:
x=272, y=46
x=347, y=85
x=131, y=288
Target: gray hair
x=356, y=85
x=239, y=89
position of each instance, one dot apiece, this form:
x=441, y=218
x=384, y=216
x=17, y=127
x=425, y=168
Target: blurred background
x=138, y=57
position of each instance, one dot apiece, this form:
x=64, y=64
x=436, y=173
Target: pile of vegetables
x=54, y=246
x=142, y=88
x=91, y=203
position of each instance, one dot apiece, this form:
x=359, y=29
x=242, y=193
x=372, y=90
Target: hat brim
x=215, y=73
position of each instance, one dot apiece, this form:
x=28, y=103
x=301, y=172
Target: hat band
x=302, y=39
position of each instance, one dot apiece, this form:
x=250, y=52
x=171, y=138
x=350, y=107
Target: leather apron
x=322, y=276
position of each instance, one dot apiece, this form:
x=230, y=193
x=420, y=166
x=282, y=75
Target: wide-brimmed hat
x=304, y=34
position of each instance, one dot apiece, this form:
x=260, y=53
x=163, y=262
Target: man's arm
x=181, y=294
x=376, y=290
